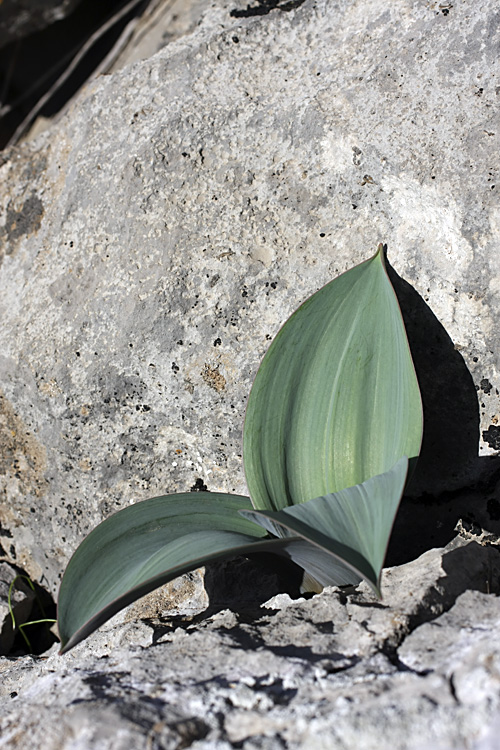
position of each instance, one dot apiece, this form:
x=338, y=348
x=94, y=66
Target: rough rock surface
x=417, y=671
x=152, y=243
x=161, y=23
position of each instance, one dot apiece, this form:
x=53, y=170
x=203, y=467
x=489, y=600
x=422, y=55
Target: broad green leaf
x=336, y=399
x=146, y=545
x=334, y=406
x=353, y=526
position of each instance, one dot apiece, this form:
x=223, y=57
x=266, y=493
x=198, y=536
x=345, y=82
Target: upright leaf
x=353, y=526
x=336, y=399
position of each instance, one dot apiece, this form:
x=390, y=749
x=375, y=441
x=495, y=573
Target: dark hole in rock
x=40, y=636
x=263, y=7
x=199, y=486
x=492, y=437
x=243, y=582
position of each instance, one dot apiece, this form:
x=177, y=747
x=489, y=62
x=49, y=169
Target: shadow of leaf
x=451, y=480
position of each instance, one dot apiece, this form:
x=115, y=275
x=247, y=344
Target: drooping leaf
x=146, y=545
x=352, y=526
x=336, y=399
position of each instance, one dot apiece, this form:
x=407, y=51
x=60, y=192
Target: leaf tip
x=381, y=252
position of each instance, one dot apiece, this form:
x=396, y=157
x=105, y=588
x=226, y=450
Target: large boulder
x=152, y=243
x=155, y=240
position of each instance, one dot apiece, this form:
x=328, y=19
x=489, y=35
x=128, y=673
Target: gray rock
x=158, y=236
x=153, y=242
x=418, y=671
x=160, y=24
x=460, y=641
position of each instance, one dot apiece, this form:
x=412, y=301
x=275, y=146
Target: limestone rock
x=152, y=243
x=160, y=24
x=415, y=672
x=156, y=238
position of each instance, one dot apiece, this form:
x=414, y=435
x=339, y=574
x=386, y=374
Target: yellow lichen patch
x=84, y=464
x=50, y=388
x=22, y=457
x=213, y=378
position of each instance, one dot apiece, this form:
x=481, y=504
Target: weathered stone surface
x=155, y=240
x=431, y=645
x=160, y=24
x=419, y=670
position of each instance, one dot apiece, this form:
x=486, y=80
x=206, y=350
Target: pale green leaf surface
x=352, y=525
x=146, y=545
x=335, y=403
x=336, y=399
x=323, y=567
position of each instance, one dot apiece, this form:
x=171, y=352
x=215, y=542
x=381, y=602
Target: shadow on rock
x=245, y=583
x=263, y=7
x=242, y=585
x=451, y=481
x=470, y=567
